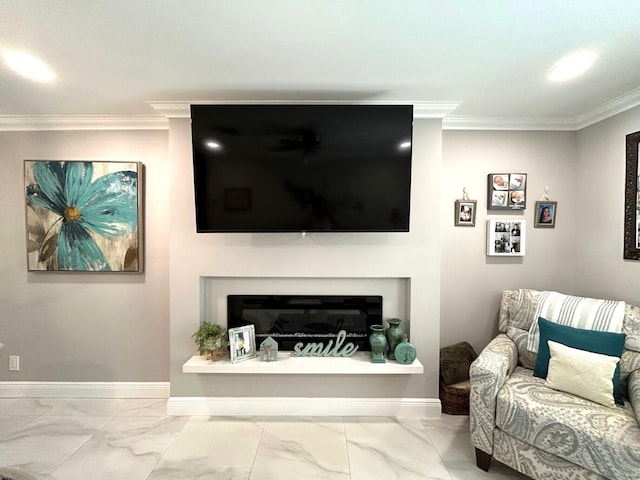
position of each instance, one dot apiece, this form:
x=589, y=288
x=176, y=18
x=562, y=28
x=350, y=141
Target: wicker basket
x=455, y=387
x=455, y=398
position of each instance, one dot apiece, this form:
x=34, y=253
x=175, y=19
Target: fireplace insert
x=290, y=319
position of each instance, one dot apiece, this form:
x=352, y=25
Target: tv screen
x=302, y=168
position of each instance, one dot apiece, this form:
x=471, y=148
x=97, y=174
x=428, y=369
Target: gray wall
x=117, y=327
x=364, y=256
x=600, y=173
x=585, y=172
x=91, y=326
x=471, y=282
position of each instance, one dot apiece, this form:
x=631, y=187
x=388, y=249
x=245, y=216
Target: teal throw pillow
x=605, y=343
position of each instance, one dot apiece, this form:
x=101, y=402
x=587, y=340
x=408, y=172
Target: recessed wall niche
x=214, y=291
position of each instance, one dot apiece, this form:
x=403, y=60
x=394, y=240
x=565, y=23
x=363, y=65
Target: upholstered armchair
x=532, y=425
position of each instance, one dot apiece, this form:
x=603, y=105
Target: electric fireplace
x=290, y=319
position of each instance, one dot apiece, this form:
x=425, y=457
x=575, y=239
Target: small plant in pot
x=212, y=340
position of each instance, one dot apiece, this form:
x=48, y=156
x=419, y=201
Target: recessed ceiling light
x=212, y=145
x=28, y=66
x=572, y=65
x=405, y=145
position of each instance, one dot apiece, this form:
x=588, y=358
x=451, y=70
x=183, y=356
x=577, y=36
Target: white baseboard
x=298, y=406
x=84, y=389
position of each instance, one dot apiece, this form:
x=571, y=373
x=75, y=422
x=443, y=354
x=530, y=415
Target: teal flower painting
x=83, y=216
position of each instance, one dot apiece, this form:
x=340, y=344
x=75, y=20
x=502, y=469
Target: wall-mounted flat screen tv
x=302, y=167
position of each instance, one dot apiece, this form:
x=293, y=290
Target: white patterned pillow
x=582, y=373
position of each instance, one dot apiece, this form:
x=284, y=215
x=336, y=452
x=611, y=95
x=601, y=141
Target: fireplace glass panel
x=290, y=319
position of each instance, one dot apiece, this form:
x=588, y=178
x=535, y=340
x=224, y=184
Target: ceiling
x=490, y=58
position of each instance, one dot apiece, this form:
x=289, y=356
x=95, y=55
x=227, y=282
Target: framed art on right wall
x=632, y=199
x=506, y=237
x=507, y=191
x=465, y=213
x=545, y=215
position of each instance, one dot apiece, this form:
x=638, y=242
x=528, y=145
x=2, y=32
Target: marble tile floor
x=133, y=439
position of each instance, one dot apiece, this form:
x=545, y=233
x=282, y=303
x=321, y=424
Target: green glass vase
x=378, y=343
x=394, y=336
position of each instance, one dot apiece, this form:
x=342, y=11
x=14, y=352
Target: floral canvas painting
x=83, y=216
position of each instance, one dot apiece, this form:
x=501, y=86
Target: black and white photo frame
x=242, y=343
x=507, y=191
x=506, y=237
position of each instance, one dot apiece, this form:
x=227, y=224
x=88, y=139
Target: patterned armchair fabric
x=488, y=375
x=634, y=392
x=541, y=432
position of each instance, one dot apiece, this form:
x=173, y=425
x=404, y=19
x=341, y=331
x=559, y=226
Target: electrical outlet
x=14, y=362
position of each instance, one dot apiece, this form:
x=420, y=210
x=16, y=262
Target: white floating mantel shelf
x=358, y=364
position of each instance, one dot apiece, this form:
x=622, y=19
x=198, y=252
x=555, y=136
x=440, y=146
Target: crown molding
x=13, y=123
x=460, y=122
x=608, y=109
x=172, y=109
x=438, y=110
x=182, y=109
x=567, y=123
x=433, y=109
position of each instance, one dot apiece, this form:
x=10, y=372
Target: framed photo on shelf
x=507, y=191
x=242, y=343
x=506, y=237
x=465, y=213
x=546, y=212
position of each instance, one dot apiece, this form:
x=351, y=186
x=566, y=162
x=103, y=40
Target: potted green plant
x=212, y=340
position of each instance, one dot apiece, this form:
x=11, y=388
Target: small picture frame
x=546, y=212
x=506, y=237
x=242, y=343
x=507, y=191
x=465, y=213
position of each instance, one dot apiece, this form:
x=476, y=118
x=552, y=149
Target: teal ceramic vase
x=405, y=353
x=394, y=336
x=378, y=343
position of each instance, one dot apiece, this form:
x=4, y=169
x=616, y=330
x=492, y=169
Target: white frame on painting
x=247, y=350
x=506, y=237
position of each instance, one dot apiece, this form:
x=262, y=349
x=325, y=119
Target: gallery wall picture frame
x=545, y=214
x=507, y=191
x=631, y=238
x=465, y=213
x=242, y=343
x=506, y=237
x=84, y=216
